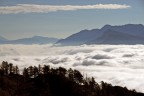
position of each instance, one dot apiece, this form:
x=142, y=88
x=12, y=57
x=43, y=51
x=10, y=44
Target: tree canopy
x=47, y=81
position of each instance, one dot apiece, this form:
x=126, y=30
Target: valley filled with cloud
x=116, y=64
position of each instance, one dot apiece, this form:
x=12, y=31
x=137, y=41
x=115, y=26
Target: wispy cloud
x=33, y=8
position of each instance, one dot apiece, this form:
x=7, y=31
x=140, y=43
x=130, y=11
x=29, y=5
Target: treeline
x=47, y=81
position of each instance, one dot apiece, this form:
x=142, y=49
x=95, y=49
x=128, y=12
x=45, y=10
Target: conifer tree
x=25, y=73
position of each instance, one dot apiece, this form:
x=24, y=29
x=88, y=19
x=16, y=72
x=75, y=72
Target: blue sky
x=53, y=18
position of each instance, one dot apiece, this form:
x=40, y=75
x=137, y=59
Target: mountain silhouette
x=114, y=37
x=81, y=37
x=32, y=40
x=2, y=39
x=135, y=31
x=132, y=29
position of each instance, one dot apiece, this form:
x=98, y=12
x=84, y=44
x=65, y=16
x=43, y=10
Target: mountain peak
x=31, y=40
x=121, y=33
x=107, y=26
x=114, y=37
x=37, y=37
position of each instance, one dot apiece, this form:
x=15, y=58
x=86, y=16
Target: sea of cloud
x=116, y=64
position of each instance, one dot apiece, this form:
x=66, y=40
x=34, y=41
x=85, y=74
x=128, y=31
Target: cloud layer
x=116, y=64
x=33, y=8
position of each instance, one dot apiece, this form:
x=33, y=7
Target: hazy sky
x=61, y=18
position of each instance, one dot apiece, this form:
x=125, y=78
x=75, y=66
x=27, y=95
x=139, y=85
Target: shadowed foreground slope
x=46, y=81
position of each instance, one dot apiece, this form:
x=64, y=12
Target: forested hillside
x=47, y=81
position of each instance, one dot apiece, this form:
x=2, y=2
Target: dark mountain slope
x=81, y=37
x=89, y=35
x=133, y=29
x=114, y=37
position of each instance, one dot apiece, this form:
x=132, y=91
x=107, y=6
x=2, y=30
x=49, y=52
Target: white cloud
x=116, y=64
x=33, y=8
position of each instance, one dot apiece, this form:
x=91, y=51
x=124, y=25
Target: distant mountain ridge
x=80, y=37
x=2, y=38
x=124, y=34
x=114, y=37
x=32, y=40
